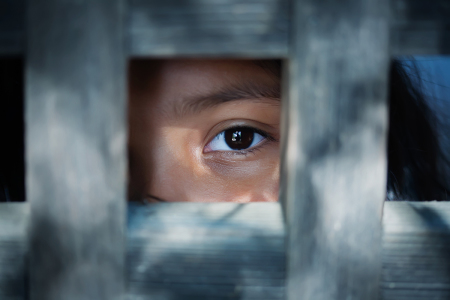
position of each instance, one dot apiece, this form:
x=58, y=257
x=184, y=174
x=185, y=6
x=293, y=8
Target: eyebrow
x=245, y=90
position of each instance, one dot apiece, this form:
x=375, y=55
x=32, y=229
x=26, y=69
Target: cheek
x=176, y=163
x=186, y=186
x=248, y=181
x=184, y=175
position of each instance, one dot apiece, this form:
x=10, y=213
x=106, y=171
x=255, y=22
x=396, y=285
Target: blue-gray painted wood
x=232, y=28
x=232, y=251
x=420, y=27
x=206, y=251
x=239, y=28
x=76, y=149
x=416, y=252
x=14, y=219
x=334, y=166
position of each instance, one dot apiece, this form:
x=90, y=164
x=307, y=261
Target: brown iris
x=239, y=138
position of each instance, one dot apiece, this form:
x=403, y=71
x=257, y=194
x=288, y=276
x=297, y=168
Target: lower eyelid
x=236, y=158
x=244, y=152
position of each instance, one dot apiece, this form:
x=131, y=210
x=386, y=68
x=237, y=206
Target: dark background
x=12, y=170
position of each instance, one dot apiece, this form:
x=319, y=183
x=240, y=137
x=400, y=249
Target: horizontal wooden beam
x=182, y=251
x=420, y=27
x=244, y=28
x=205, y=251
x=416, y=251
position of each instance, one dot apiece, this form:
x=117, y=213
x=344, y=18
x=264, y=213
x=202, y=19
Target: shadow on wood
x=206, y=251
x=416, y=252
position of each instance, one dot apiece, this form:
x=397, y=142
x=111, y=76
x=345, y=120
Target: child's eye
x=236, y=138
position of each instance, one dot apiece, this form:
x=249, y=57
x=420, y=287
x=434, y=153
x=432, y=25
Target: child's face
x=203, y=131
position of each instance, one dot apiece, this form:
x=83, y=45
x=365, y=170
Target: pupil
x=238, y=139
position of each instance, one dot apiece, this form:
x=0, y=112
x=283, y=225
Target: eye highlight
x=235, y=139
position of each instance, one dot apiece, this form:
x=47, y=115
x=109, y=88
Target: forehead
x=188, y=71
x=170, y=82
x=225, y=69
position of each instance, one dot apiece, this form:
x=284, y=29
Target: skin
x=177, y=107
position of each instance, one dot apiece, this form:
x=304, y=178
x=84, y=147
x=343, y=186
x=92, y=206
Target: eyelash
x=266, y=137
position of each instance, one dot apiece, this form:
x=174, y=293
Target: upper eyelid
x=264, y=133
x=267, y=138
x=257, y=130
x=270, y=130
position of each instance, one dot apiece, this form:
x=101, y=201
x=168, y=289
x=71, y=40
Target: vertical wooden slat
x=14, y=219
x=334, y=168
x=75, y=149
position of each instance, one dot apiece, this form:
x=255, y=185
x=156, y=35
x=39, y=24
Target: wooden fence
x=327, y=238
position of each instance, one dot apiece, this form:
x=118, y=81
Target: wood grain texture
x=14, y=219
x=334, y=168
x=206, y=251
x=183, y=250
x=420, y=27
x=416, y=252
x=12, y=27
x=75, y=149
x=242, y=28
x=239, y=28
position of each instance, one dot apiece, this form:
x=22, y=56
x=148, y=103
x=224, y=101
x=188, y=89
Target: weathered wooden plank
x=13, y=248
x=12, y=27
x=242, y=28
x=239, y=28
x=420, y=27
x=76, y=154
x=334, y=168
x=206, y=251
x=187, y=265
x=416, y=261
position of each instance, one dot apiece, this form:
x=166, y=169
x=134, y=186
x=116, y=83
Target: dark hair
x=413, y=148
